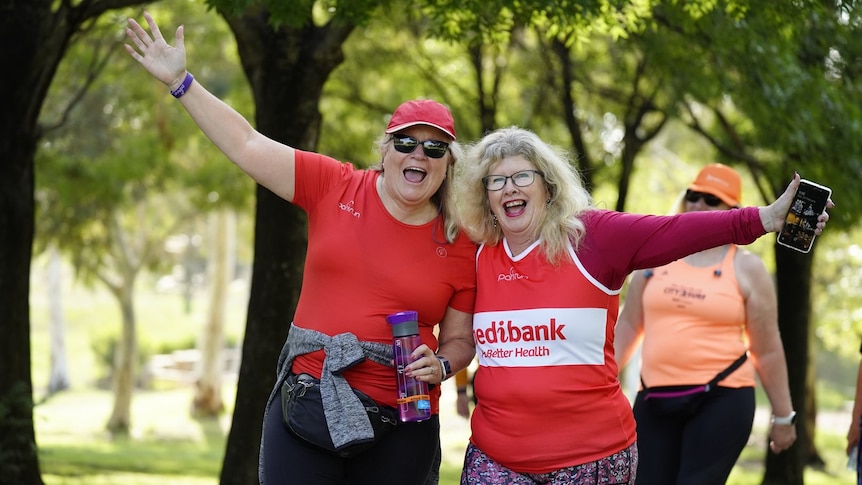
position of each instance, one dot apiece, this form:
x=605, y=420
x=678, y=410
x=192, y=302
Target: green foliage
x=783, y=81
x=749, y=469
x=379, y=73
x=472, y=23
x=168, y=445
x=303, y=13
x=837, y=305
x=118, y=165
x=493, y=20
x=104, y=348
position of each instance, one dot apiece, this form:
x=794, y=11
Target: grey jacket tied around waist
x=345, y=415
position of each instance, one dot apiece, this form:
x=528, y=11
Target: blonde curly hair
x=568, y=197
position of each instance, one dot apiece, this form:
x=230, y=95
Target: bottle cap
x=404, y=323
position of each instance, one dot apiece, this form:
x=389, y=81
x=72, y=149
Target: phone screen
x=808, y=203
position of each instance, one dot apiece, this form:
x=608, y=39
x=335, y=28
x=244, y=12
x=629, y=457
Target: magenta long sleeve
x=617, y=243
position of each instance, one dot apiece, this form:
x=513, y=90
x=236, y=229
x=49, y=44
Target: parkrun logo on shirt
x=512, y=276
x=348, y=207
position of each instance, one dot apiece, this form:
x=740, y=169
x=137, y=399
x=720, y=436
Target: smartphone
x=801, y=220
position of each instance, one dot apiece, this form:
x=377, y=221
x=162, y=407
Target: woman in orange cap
x=708, y=323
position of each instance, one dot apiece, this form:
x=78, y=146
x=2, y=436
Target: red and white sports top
x=362, y=264
x=694, y=325
x=546, y=388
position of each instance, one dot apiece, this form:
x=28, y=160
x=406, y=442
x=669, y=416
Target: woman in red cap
x=381, y=241
x=708, y=318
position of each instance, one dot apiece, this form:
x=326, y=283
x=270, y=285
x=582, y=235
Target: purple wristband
x=181, y=90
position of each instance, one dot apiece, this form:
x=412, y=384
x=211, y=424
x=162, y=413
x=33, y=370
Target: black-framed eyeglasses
x=520, y=179
x=432, y=148
x=709, y=199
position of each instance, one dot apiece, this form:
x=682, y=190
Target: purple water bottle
x=414, y=401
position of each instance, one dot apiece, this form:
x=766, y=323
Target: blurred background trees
x=102, y=164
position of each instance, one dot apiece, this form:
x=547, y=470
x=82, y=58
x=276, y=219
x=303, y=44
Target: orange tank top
x=694, y=325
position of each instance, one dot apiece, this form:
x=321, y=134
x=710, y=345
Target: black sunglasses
x=432, y=148
x=709, y=199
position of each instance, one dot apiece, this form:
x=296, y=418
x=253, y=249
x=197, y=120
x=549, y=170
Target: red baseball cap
x=422, y=112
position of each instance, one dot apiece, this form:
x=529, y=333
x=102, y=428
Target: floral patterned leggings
x=618, y=468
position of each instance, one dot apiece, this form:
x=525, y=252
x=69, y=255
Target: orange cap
x=721, y=181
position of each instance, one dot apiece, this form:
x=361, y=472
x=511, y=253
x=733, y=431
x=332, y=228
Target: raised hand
x=772, y=216
x=165, y=62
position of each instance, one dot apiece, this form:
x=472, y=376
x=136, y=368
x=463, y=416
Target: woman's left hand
x=425, y=366
x=781, y=437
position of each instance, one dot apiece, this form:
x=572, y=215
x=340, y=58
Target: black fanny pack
x=302, y=408
x=685, y=400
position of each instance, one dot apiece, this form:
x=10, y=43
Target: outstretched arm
x=268, y=162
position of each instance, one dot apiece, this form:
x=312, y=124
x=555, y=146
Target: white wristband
x=788, y=420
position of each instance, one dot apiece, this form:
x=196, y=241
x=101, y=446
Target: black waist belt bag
x=302, y=407
x=666, y=400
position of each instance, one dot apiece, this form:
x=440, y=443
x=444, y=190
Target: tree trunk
x=287, y=69
x=793, y=275
x=35, y=39
x=125, y=358
x=21, y=33
x=570, y=107
x=59, y=377
x=208, y=400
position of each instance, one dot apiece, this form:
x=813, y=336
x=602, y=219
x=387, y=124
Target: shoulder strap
x=726, y=372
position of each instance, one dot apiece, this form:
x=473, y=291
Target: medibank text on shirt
x=502, y=332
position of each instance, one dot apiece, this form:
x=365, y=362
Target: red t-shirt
x=547, y=391
x=362, y=265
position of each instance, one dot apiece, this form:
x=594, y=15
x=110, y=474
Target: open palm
x=165, y=62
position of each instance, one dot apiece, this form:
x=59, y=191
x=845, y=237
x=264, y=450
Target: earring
x=495, y=220
x=548, y=202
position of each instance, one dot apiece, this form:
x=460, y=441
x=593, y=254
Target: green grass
x=749, y=467
x=166, y=444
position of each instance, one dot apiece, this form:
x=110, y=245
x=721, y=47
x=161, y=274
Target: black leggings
x=408, y=455
x=694, y=450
